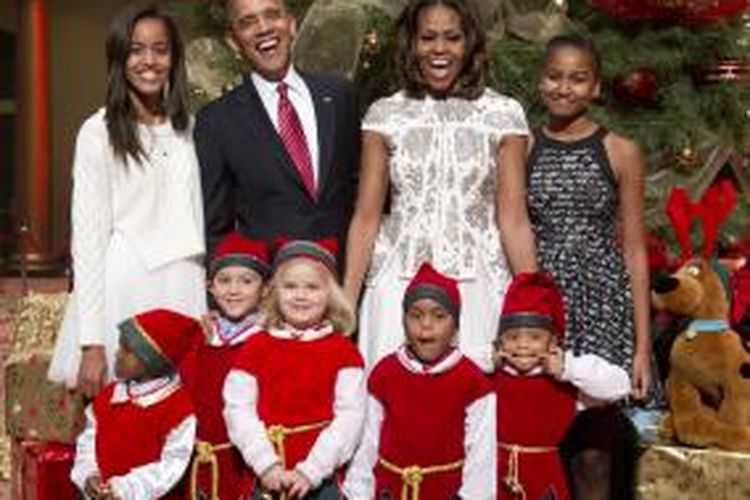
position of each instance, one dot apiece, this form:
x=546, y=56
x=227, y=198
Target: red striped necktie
x=293, y=136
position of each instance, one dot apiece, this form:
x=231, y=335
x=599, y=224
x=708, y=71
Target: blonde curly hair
x=339, y=311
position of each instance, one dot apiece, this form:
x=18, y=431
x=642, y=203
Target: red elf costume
x=430, y=426
x=218, y=470
x=139, y=435
x=295, y=397
x=534, y=410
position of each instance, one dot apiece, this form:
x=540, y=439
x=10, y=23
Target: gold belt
x=413, y=475
x=205, y=453
x=511, y=479
x=277, y=435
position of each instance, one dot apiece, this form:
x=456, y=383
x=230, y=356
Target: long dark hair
x=470, y=83
x=120, y=112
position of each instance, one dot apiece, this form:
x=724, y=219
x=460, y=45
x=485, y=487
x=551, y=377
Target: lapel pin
x=327, y=98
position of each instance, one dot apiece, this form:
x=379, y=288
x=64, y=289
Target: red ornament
x=640, y=86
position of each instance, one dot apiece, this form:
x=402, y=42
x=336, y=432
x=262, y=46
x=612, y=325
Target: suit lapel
x=262, y=127
x=325, y=116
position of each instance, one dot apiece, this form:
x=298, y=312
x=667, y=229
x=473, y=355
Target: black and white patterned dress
x=573, y=203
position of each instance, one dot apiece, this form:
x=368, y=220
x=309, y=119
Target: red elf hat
x=237, y=250
x=533, y=300
x=323, y=251
x=160, y=338
x=430, y=284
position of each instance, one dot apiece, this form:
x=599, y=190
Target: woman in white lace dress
x=137, y=219
x=452, y=152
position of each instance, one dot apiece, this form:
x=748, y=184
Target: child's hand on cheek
x=555, y=362
x=296, y=484
x=501, y=356
x=271, y=480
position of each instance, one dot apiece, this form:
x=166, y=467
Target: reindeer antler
x=680, y=210
x=714, y=209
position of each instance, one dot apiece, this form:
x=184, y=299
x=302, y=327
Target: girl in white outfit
x=137, y=220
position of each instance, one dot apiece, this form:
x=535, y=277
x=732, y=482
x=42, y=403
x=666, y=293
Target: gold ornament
x=370, y=48
x=370, y=43
x=687, y=158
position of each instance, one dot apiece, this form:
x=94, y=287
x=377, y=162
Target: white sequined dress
x=442, y=169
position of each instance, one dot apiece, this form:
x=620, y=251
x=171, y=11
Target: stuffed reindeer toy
x=708, y=387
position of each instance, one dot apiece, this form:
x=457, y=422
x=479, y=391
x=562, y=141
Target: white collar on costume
x=145, y=393
x=227, y=332
x=287, y=331
x=414, y=365
x=538, y=370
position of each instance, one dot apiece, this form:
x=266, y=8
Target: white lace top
x=442, y=177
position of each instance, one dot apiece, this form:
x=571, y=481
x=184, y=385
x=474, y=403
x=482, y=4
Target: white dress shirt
x=302, y=101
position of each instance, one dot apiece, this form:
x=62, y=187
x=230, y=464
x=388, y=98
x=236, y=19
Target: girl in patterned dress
x=294, y=402
x=585, y=196
x=451, y=151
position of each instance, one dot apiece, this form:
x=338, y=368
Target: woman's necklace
x=155, y=147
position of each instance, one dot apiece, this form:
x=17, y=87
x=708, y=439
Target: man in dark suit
x=279, y=155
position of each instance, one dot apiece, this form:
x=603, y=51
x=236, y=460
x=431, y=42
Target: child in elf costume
x=430, y=427
x=140, y=430
x=237, y=273
x=539, y=389
x=295, y=398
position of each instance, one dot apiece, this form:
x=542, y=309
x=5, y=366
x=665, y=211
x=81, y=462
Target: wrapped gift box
x=34, y=407
x=671, y=472
x=41, y=471
x=37, y=409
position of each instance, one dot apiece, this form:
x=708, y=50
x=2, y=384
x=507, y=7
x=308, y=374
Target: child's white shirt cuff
x=85, y=464
x=596, y=378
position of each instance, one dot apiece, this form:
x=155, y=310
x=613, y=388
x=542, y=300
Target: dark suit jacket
x=249, y=181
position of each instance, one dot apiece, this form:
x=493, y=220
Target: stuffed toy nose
x=664, y=284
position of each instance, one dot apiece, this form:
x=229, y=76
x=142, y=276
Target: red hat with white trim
x=160, y=338
x=323, y=251
x=533, y=300
x=237, y=250
x=430, y=284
